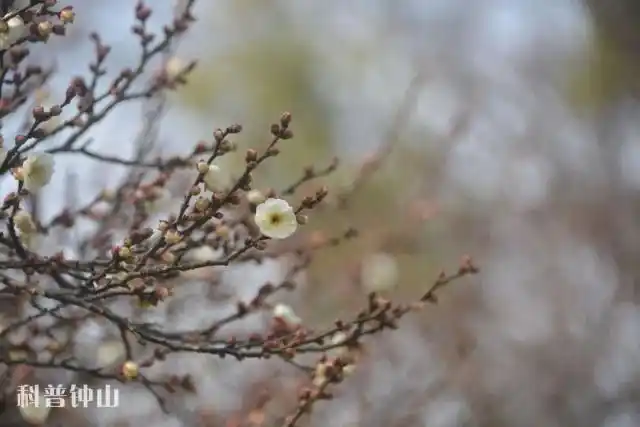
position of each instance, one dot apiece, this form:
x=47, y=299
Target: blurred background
x=509, y=131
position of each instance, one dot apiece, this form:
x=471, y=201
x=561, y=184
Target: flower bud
x=201, y=204
x=172, y=237
x=255, y=197
x=202, y=167
x=124, y=252
x=251, y=155
x=67, y=16
x=45, y=29
x=285, y=119
x=223, y=231
x=129, y=370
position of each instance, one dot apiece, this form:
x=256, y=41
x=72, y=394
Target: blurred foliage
x=260, y=76
x=606, y=73
x=613, y=66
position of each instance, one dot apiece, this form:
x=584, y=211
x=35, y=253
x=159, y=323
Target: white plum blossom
x=14, y=30
x=339, y=338
x=379, y=272
x=276, y=219
x=255, y=197
x=215, y=179
x=27, y=228
x=174, y=67
x=286, y=314
x=24, y=222
x=37, y=171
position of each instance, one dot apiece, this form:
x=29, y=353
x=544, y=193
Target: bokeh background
x=510, y=132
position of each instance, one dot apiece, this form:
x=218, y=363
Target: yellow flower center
x=275, y=219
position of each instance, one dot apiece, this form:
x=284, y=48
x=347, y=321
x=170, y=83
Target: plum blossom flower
x=27, y=228
x=379, y=272
x=174, y=67
x=339, y=338
x=286, y=314
x=37, y=171
x=255, y=197
x=24, y=223
x=276, y=219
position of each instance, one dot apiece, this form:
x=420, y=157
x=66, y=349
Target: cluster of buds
x=332, y=370
x=281, y=130
x=147, y=294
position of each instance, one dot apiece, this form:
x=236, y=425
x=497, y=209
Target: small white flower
x=15, y=30
x=255, y=197
x=174, y=67
x=28, y=230
x=379, y=272
x=339, y=338
x=37, y=171
x=286, y=313
x=215, y=179
x=276, y=219
x=33, y=414
x=24, y=223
